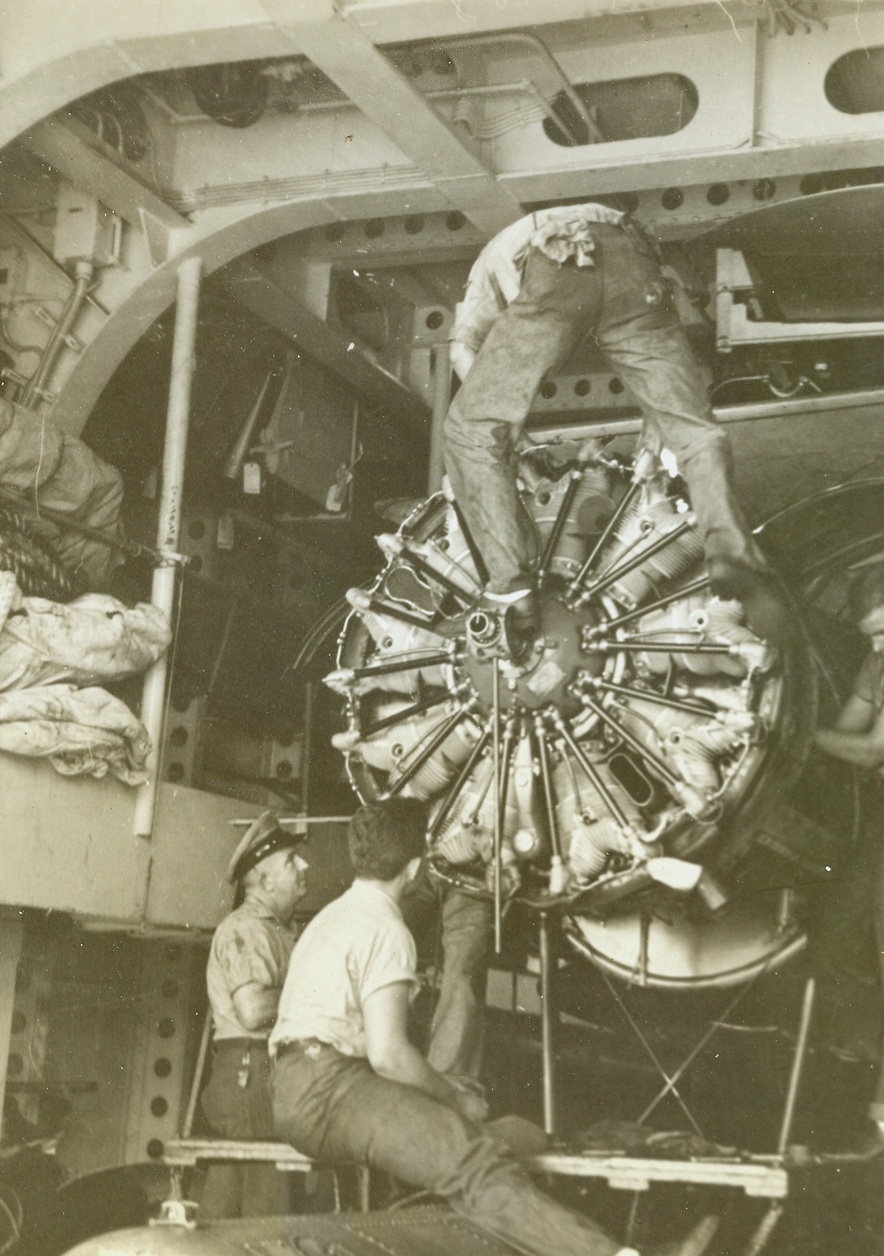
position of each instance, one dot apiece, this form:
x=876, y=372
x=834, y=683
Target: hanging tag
x=225, y=535
x=251, y=478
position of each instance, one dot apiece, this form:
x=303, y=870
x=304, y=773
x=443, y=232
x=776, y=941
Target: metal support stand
x=441, y=402
x=764, y=1177
x=153, y=703
x=548, y=1022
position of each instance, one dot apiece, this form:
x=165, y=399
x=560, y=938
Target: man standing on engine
x=540, y=287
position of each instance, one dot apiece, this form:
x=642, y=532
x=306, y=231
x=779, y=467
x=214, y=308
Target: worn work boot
x=761, y=594
x=693, y=1244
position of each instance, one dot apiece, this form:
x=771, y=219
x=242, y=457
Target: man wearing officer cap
x=247, y=965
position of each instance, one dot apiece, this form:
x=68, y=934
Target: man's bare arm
x=858, y=735
x=255, y=1005
x=392, y=1056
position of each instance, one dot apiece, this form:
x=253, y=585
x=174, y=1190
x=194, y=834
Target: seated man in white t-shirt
x=349, y=1086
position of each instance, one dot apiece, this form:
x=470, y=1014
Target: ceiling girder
x=255, y=287
x=67, y=148
x=353, y=63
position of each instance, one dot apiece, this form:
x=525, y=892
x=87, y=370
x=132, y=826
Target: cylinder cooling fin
x=611, y=770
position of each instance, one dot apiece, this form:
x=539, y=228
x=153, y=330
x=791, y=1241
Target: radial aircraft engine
x=614, y=773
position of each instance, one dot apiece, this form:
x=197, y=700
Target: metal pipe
x=441, y=402
x=498, y=808
x=522, y=37
x=438, y=739
x=410, y=663
x=797, y=1065
x=635, y=645
x=452, y=794
x=696, y=586
x=153, y=702
x=648, y=695
x=871, y=397
x=547, y=1022
x=475, y=554
x=418, y=708
x=638, y=558
x=83, y=273
x=665, y=771
x=558, y=525
x=592, y=772
x=25, y=506
x=237, y=456
x=621, y=509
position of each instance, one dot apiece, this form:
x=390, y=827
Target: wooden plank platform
x=759, y=1177
x=764, y=1179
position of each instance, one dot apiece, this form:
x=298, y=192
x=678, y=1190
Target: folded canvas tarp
x=95, y=638
x=83, y=731
x=91, y=640
x=61, y=473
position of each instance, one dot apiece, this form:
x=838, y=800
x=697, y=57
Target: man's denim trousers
x=241, y=1112
x=622, y=304
x=338, y=1110
x=466, y=925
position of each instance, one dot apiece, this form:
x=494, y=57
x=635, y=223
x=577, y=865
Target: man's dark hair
x=384, y=836
x=866, y=593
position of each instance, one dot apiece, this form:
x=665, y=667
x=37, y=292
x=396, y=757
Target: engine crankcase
x=615, y=766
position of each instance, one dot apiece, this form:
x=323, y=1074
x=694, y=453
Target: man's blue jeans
x=337, y=1109
x=241, y=1112
x=876, y=1110
x=466, y=924
x=622, y=304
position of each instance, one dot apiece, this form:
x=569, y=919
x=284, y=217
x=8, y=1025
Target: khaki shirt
x=249, y=945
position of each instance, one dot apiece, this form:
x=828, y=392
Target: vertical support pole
x=153, y=702
x=11, y=934
x=548, y=1024
x=499, y=801
x=441, y=402
x=797, y=1065
x=307, y=745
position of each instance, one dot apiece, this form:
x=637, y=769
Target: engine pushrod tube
x=475, y=553
x=502, y=789
x=648, y=695
x=591, y=771
x=639, y=557
x=440, y=736
x=417, y=709
x=696, y=586
x=625, y=502
x=543, y=754
x=662, y=647
x=380, y=607
x=498, y=810
x=400, y=665
x=552, y=540
x=451, y=797
x=664, y=770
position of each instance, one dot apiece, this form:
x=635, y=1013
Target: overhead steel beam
x=68, y=147
x=353, y=63
x=256, y=288
x=402, y=20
